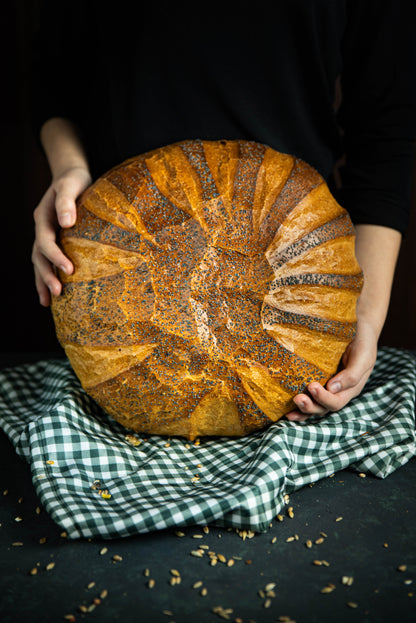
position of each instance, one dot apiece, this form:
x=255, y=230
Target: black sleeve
x=59, y=64
x=378, y=111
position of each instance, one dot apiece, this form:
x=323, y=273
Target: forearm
x=376, y=249
x=63, y=146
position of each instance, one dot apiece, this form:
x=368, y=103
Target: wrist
x=63, y=147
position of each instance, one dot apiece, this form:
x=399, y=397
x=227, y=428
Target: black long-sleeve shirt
x=136, y=76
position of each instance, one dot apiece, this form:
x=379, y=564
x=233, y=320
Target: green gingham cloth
x=76, y=453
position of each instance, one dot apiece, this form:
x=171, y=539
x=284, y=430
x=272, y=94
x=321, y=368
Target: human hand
x=358, y=361
x=57, y=208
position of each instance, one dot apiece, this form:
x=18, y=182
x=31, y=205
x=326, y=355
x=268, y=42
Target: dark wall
x=24, y=176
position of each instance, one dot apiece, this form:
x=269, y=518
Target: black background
x=28, y=327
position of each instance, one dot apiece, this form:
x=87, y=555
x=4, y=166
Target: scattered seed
x=70, y=618
x=205, y=529
x=50, y=566
x=175, y=572
x=33, y=571
x=103, y=551
x=63, y=535
x=261, y=594
x=104, y=593
x=146, y=573
x=97, y=601
x=274, y=539
x=320, y=540
x=290, y=539
x=18, y=519
x=214, y=561
x=248, y=562
x=221, y=558
x=270, y=594
x=407, y=582
x=117, y=558
x=91, y=607
x=280, y=518
x=308, y=544
x=91, y=585
x=167, y=612
x=325, y=563
x=83, y=608
x=50, y=462
x=347, y=580
x=197, y=552
x=173, y=581
x=323, y=534
x=42, y=540
x=317, y=563
x=339, y=519
x=402, y=568
x=267, y=603
x=5, y=492
x=106, y=496
x=385, y=544
x=290, y=512
x=151, y=583
x=20, y=500
x=132, y=440
x=204, y=592
x=327, y=589
x=270, y=586
x=37, y=510
x=197, y=536
x=362, y=475
x=286, y=498
x=230, y=563
x=285, y=619
x=17, y=544
x=197, y=584
x=352, y=604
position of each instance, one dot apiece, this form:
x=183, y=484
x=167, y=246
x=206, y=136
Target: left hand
x=358, y=361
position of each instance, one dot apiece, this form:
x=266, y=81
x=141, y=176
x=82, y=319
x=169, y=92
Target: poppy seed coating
x=214, y=280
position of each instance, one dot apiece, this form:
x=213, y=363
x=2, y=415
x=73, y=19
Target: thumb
x=357, y=367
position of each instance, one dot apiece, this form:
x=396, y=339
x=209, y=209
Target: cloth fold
x=97, y=479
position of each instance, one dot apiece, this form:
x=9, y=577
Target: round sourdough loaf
x=213, y=281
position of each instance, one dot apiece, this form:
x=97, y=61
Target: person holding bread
x=329, y=82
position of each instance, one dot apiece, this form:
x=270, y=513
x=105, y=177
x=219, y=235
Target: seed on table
x=320, y=540
x=37, y=510
x=317, y=563
x=339, y=519
x=146, y=573
x=91, y=607
x=323, y=534
x=18, y=519
x=326, y=589
x=175, y=572
x=197, y=584
x=385, y=544
x=352, y=604
x=267, y=603
x=279, y=517
x=286, y=498
x=290, y=512
x=362, y=475
x=347, y=580
x=117, y=558
x=197, y=536
x=168, y=613
x=97, y=601
x=325, y=563
x=205, y=529
x=290, y=539
x=179, y=533
x=221, y=558
x=213, y=562
x=204, y=592
x=308, y=543
x=151, y=583
x=402, y=568
x=270, y=594
x=407, y=582
x=104, y=593
x=33, y=571
x=70, y=618
x=63, y=535
x=261, y=594
x=83, y=608
x=274, y=539
x=5, y=492
x=42, y=540
x=270, y=586
x=91, y=585
x=50, y=566
x=173, y=581
x=17, y=544
x=197, y=552
x=230, y=563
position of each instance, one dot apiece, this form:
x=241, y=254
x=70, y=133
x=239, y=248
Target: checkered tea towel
x=95, y=483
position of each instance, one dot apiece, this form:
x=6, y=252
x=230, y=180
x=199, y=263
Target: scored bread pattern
x=213, y=281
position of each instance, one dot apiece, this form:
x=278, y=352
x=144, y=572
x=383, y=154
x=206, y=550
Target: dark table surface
x=374, y=543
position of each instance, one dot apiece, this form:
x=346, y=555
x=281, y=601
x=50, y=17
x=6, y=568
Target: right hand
x=56, y=209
